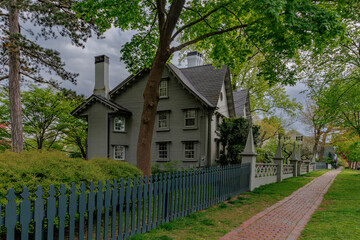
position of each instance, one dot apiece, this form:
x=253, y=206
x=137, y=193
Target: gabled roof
x=207, y=80
x=96, y=98
x=240, y=100
x=203, y=81
x=188, y=84
x=127, y=82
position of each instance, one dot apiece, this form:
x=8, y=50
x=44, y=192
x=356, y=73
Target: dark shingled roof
x=240, y=98
x=203, y=81
x=207, y=80
x=96, y=98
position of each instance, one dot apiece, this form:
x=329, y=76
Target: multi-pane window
x=163, y=89
x=190, y=118
x=119, y=124
x=299, y=138
x=163, y=120
x=119, y=152
x=189, y=150
x=163, y=150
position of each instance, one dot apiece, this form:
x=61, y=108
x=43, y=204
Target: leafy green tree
x=74, y=129
x=340, y=104
x=47, y=120
x=22, y=22
x=228, y=31
x=233, y=133
x=265, y=99
x=270, y=128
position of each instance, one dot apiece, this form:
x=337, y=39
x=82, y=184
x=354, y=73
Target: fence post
x=313, y=163
x=279, y=161
x=249, y=156
x=294, y=161
x=307, y=162
x=300, y=162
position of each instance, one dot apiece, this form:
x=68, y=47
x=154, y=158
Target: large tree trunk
x=151, y=99
x=14, y=80
x=317, y=135
x=323, y=143
x=322, y=148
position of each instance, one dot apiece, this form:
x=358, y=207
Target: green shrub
x=167, y=167
x=264, y=155
x=35, y=168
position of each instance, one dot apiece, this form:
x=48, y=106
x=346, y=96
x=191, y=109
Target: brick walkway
x=288, y=217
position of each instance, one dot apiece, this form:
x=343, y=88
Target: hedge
x=35, y=168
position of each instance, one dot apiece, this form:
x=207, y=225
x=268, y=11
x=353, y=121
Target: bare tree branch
x=40, y=80
x=210, y=34
x=197, y=21
x=160, y=6
x=4, y=77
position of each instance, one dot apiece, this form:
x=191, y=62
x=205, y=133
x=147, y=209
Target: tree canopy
x=48, y=123
x=229, y=32
x=22, y=22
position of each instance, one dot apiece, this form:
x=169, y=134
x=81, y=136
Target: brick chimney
x=194, y=59
x=102, y=76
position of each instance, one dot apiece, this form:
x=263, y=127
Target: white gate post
x=294, y=161
x=249, y=156
x=279, y=160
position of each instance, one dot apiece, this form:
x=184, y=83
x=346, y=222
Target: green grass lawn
x=222, y=218
x=338, y=216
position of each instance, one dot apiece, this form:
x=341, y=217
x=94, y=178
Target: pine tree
x=22, y=59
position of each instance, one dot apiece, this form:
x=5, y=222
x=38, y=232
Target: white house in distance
x=193, y=101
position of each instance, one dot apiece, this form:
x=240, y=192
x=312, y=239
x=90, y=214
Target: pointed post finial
x=249, y=147
x=278, y=154
x=298, y=154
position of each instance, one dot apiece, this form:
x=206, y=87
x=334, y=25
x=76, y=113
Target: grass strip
x=220, y=219
x=338, y=216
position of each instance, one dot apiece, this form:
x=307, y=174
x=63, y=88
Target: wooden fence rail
x=118, y=210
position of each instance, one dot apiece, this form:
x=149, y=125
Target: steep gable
x=95, y=98
x=242, y=104
x=204, y=82
x=207, y=80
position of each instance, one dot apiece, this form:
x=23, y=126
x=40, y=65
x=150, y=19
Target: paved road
x=288, y=217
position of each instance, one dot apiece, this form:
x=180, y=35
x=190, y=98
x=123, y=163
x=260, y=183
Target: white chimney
x=194, y=59
x=102, y=76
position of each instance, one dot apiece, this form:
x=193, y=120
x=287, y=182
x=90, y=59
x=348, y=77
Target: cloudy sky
x=81, y=60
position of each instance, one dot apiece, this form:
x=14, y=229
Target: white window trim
x=195, y=151
x=120, y=130
x=195, y=118
x=123, y=149
x=167, y=150
x=166, y=88
x=167, y=113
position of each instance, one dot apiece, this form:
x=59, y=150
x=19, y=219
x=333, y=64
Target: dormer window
x=163, y=89
x=119, y=124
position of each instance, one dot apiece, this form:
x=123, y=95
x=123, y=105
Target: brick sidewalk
x=288, y=217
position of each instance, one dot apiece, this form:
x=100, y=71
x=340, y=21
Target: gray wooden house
x=193, y=101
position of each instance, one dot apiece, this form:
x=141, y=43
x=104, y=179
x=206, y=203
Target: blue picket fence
x=121, y=209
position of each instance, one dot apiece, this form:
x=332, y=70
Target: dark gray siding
x=97, y=130
x=178, y=100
